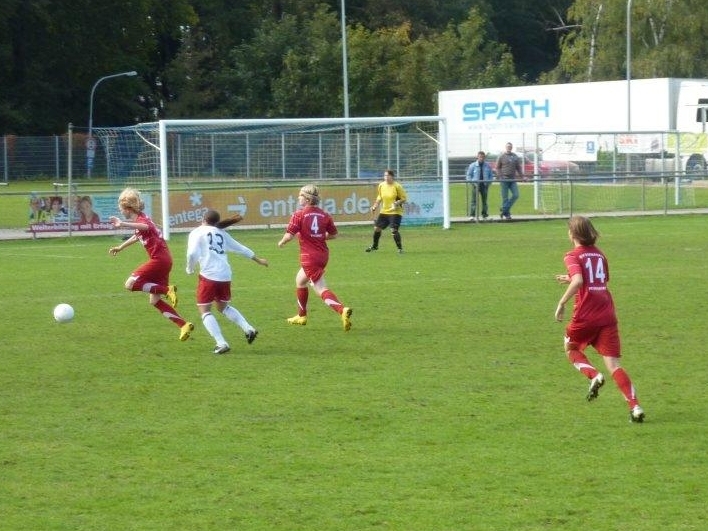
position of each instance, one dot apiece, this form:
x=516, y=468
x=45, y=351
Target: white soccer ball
x=63, y=313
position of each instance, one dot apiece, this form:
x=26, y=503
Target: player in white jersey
x=207, y=246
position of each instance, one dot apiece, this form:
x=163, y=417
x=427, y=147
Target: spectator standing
x=508, y=169
x=479, y=173
x=594, y=321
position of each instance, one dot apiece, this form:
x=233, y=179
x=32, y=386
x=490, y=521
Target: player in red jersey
x=314, y=227
x=153, y=276
x=594, y=321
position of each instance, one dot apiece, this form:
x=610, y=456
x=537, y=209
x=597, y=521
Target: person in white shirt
x=207, y=246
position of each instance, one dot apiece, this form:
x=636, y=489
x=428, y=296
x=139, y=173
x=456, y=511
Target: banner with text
x=274, y=206
x=50, y=213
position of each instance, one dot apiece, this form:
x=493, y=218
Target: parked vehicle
x=650, y=119
x=538, y=165
x=545, y=168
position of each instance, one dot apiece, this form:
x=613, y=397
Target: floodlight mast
x=90, y=145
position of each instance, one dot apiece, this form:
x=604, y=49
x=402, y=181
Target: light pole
x=629, y=77
x=345, y=90
x=629, y=65
x=90, y=144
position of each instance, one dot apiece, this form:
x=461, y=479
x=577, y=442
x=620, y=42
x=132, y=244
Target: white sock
x=233, y=315
x=148, y=286
x=212, y=326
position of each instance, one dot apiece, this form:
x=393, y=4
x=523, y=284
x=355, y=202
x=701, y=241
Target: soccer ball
x=63, y=313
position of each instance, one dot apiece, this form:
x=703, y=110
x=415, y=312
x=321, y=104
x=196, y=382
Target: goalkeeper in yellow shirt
x=390, y=197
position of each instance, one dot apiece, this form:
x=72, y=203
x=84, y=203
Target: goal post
x=269, y=154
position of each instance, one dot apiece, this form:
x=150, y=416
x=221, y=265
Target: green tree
x=246, y=80
x=530, y=30
x=292, y=67
x=56, y=51
x=375, y=61
x=461, y=56
x=216, y=71
x=465, y=55
x=667, y=41
x=310, y=82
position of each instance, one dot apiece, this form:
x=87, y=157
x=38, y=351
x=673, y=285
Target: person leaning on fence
x=508, y=167
x=479, y=173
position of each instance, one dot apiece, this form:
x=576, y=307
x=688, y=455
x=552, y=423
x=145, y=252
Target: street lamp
x=345, y=90
x=345, y=75
x=629, y=65
x=90, y=144
x=629, y=76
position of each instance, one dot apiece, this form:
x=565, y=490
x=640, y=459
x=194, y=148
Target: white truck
x=650, y=119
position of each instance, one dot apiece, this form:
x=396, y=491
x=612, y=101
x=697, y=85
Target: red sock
x=624, y=384
x=169, y=312
x=582, y=363
x=330, y=299
x=302, y=294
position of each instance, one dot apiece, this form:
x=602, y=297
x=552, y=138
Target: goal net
x=255, y=166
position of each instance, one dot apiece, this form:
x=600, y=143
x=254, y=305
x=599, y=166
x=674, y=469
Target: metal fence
x=25, y=158
x=543, y=154
x=634, y=173
x=597, y=153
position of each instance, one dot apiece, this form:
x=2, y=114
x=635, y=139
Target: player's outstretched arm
x=130, y=241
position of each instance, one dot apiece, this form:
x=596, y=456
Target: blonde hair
x=130, y=199
x=311, y=194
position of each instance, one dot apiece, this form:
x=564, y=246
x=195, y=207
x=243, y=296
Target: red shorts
x=155, y=271
x=605, y=339
x=313, y=272
x=209, y=291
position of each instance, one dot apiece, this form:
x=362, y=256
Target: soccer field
x=448, y=406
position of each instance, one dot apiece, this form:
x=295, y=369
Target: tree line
x=283, y=58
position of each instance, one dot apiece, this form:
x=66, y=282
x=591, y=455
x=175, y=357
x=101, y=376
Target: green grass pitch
x=448, y=406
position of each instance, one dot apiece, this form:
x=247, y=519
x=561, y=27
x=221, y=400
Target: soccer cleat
x=595, y=385
x=251, y=336
x=172, y=295
x=221, y=349
x=636, y=414
x=400, y=251
x=346, y=318
x=372, y=248
x=185, y=331
x=298, y=320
